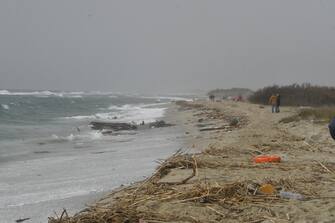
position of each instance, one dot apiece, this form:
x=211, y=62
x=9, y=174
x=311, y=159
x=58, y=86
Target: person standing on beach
x=332, y=128
x=278, y=103
x=273, y=102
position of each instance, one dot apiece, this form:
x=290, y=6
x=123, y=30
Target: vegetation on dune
x=321, y=114
x=233, y=92
x=297, y=95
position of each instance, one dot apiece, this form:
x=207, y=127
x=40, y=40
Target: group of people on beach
x=274, y=100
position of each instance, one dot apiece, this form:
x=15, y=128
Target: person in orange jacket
x=273, y=102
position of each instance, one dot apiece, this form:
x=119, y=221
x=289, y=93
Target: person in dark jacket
x=332, y=128
x=278, y=103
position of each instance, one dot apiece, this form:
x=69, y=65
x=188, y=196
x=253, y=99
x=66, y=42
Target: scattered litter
x=267, y=159
x=267, y=189
x=291, y=195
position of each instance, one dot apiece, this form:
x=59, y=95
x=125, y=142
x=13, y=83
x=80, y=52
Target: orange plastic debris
x=267, y=159
x=267, y=189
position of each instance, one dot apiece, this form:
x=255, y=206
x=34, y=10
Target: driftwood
x=119, y=126
x=159, y=124
x=212, y=129
x=116, y=126
x=22, y=220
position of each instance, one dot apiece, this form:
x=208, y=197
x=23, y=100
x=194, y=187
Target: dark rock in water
x=107, y=132
x=116, y=126
x=159, y=124
x=107, y=128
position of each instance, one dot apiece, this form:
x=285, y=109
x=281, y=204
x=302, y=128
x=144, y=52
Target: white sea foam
x=4, y=106
x=42, y=93
x=39, y=197
x=127, y=113
x=80, y=117
x=89, y=136
x=4, y=92
x=74, y=96
x=95, y=135
x=139, y=113
x=32, y=93
x=170, y=98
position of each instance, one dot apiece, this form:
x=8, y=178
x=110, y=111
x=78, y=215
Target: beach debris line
x=131, y=207
x=139, y=202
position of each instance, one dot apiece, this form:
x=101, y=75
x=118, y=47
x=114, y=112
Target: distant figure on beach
x=278, y=103
x=211, y=97
x=273, y=102
x=332, y=128
x=239, y=98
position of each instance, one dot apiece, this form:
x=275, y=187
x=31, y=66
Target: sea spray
x=4, y=106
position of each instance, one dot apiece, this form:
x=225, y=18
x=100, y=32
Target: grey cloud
x=165, y=45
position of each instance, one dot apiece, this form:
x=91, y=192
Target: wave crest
x=127, y=113
x=4, y=106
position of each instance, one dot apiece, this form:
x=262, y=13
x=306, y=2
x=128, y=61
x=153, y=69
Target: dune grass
x=320, y=114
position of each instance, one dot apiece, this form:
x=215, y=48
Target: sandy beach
x=214, y=178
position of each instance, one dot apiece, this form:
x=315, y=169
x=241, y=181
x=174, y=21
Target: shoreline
x=212, y=182
x=71, y=177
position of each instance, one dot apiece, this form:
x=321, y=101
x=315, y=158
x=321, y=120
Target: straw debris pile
x=143, y=201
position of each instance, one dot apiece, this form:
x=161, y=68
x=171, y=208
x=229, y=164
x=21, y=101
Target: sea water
x=51, y=159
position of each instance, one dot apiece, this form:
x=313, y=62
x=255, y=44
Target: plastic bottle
x=291, y=195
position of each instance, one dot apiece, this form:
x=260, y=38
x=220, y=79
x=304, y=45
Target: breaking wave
x=128, y=113
x=89, y=136
x=4, y=106
x=169, y=98
x=75, y=94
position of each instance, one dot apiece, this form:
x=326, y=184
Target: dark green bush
x=297, y=95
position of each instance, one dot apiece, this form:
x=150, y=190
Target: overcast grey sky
x=165, y=45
